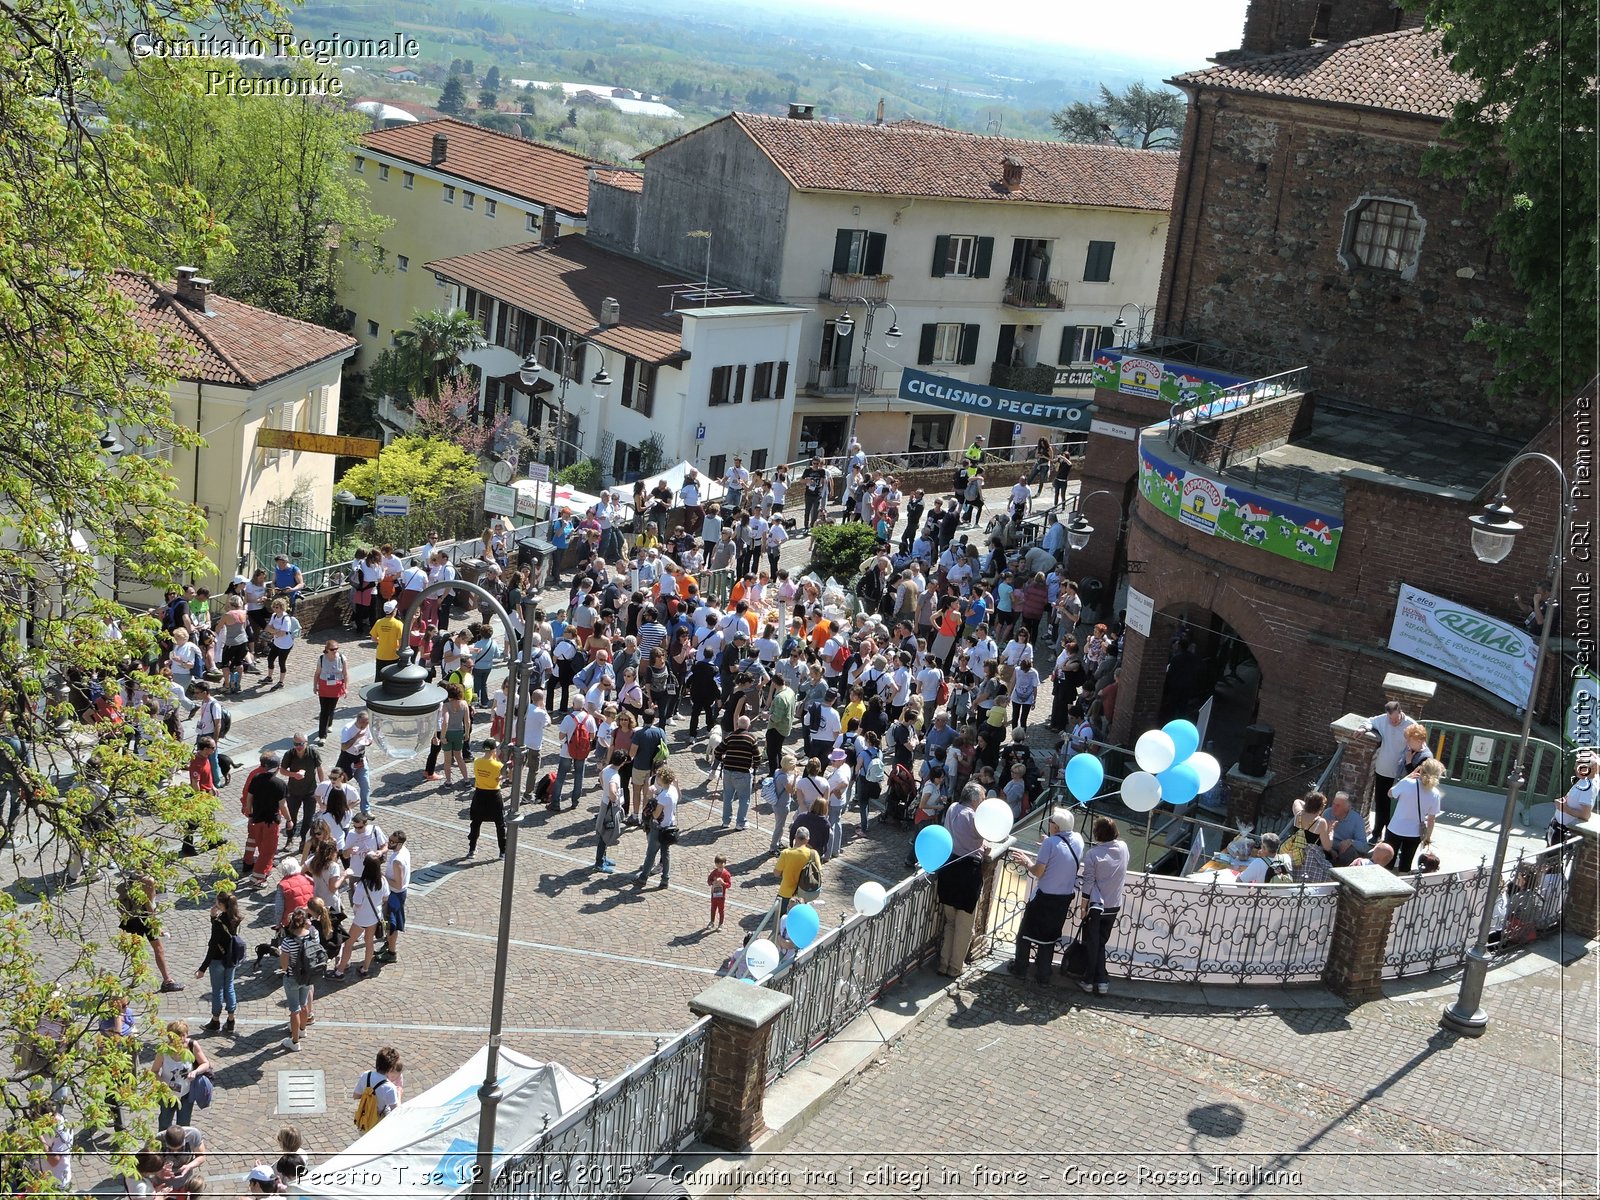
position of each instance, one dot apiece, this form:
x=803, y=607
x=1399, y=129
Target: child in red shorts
x=719, y=881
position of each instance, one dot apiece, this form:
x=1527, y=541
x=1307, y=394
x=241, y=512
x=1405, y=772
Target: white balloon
x=1154, y=751
x=993, y=819
x=761, y=957
x=1141, y=791
x=871, y=899
x=1207, y=767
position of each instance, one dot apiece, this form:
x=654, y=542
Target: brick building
x=1315, y=268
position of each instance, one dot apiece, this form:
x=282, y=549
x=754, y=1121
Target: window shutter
x=841, y=251
x=1108, y=336
x=875, y=246
x=627, y=383
x=925, y=349
x=941, y=254
x=738, y=385
x=781, y=388
x=980, y=267
x=1069, y=345
x=969, y=345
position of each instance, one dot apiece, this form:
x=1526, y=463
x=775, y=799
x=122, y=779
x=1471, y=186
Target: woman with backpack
x=233, y=628
x=301, y=956
x=283, y=628
x=224, y=952
x=368, y=894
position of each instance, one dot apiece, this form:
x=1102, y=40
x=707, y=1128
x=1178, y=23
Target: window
x=402, y=262
x=930, y=433
x=383, y=172
x=770, y=381
x=449, y=194
x=361, y=165
x=1320, y=22
x=1079, y=342
x=407, y=180
x=638, y=382
x=438, y=281
x=1385, y=235
x=489, y=208
x=467, y=200
x=858, y=252
x=372, y=329
x=962, y=254
x=948, y=343
x=531, y=222
x=758, y=459
x=1097, y=266
x=718, y=467
x=727, y=386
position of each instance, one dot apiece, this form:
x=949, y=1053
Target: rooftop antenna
x=706, y=289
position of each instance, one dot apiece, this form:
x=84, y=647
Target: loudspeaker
x=1255, y=752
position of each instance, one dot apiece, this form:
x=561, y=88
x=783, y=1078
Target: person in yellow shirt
x=851, y=716
x=789, y=865
x=387, y=632
x=488, y=770
x=646, y=538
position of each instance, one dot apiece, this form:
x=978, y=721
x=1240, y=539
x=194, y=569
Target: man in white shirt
x=535, y=722
x=397, y=871
x=736, y=480
x=900, y=688
x=928, y=681
x=363, y=839
x=575, y=719
x=689, y=498
x=982, y=652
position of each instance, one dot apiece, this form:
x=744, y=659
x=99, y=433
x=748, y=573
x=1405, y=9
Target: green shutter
x=841, y=251
x=1069, y=343
x=941, y=254
x=1108, y=336
x=925, y=349
x=875, y=246
x=980, y=268
x=969, y=345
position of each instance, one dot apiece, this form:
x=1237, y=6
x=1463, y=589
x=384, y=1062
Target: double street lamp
x=1122, y=327
x=532, y=369
x=844, y=323
x=1494, y=532
x=404, y=708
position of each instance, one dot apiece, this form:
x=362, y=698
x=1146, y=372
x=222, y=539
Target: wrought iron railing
x=848, y=967
x=847, y=285
x=1186, y=931
x=1483, y=758
x=1035, y=293
x=841, y=379
x=625, y=1129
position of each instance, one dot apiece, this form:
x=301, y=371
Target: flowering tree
x=449, y=417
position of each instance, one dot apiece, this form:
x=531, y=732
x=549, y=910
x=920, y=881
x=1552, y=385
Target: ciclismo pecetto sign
x=979, y=400
x=1494, y=654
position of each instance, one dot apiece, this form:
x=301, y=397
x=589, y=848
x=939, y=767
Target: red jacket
x=297, y=893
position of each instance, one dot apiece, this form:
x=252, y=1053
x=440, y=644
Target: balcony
x=1035, y=293
x=847, y=285
x=841, y=380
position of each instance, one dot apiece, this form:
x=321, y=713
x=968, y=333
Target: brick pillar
x=1355, y=766
x=1244, y=796
x=1413, y=693
x=1368, y=897
x=736, y=1058
x=980, y=915
x=1582, y=913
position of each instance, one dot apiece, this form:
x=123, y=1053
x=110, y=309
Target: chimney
x=193, y=291
x=549, y=226
x=610, y=312
x=880, y=110
x=441, y=144
x=802, y=112
x=1011, y=171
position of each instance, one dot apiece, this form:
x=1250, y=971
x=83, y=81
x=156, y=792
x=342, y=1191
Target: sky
x=1182, y=31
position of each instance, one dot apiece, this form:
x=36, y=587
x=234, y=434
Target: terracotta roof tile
x=1400, y=72
x=530, y=170
x=627, y=181
x=236, y=344
x=909, y=158
x=565, y=282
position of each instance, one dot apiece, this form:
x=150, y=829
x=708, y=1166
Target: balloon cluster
x=992, y=819
x=1171, y=768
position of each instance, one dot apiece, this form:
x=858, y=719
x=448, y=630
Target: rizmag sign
x=1471, y=645
x=978, y=400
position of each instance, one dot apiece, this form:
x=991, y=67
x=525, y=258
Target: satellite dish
x=503, y=471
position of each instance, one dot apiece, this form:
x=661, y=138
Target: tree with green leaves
x=491, y=80
x=416, y=465
x=453, y=99
x=432, y=345
x=1526, y=145
x=488, y=100
x=77, y=206
x=274, y=174
x=1140, y=117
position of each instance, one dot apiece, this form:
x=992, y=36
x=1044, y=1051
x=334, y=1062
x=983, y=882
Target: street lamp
x=1494, y=531
x=531, y=369
x=1079, y=531
x=404, y=700
x=1122, y=326
x=845, y=323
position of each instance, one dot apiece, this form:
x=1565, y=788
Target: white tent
x=426, y=1148
x=534, y=499
x=710, y=489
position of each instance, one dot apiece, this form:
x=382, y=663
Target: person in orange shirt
x=821, y=632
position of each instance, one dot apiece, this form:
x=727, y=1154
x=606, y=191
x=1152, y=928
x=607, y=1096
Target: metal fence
x=1439, y=923
x=629, y=1126
x=848, y=967
x=1483, y=758
x=1186, y=931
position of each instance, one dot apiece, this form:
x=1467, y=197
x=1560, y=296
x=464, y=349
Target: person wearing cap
x=266, y=803
x=263, y=1181
x=387, y=633
x=1055, y=870
x=287, y=581
x=839, y=776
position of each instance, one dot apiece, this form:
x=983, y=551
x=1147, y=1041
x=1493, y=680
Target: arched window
x=1384, y=235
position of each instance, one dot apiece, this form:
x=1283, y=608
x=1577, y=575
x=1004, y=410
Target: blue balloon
x=802, y=925
x=1185, y=739
x=1084, y=777
x=1179, y=784
x=933, y=847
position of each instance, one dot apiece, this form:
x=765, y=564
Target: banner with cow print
x=1216, y=507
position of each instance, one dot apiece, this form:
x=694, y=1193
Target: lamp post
x=406, y=704
x=531, y=369
x=1123, y=327
x=891, y=336
x=1494, y=531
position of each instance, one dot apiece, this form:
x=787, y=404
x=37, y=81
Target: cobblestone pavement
x=1013, y=1089
x=598, y=971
